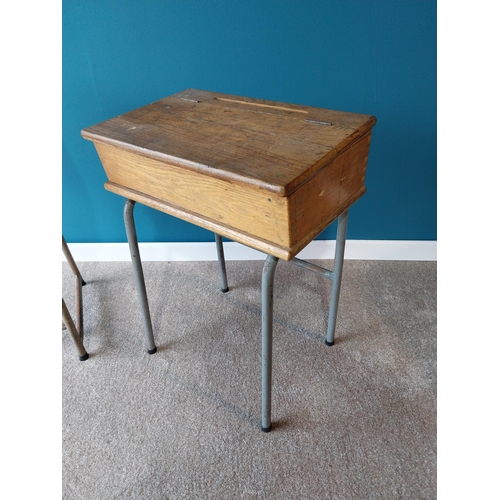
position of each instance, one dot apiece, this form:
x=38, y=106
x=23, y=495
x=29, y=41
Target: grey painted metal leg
x=128, y=215
x=337, y=277
x=267, y=338
x=70, y=326
x=222, y=263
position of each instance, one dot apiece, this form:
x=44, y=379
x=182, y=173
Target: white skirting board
x=316, y=250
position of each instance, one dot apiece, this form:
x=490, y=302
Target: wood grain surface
x=270, y=175
x=274, y=146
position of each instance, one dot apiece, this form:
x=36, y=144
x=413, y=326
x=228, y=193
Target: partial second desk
x=269, y=175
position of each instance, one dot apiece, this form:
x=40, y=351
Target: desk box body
x=269, y=175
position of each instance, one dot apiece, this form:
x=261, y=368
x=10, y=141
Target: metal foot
x=267, y=338
x=337, y=277
x=128, y=215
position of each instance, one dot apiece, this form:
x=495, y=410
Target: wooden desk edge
x=193, y=166
x=239, y=236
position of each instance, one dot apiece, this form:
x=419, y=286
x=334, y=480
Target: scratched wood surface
x=274, y=146
x=267, y=174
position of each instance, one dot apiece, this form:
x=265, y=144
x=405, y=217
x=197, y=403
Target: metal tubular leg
x=79, y=306
x=71, y=261
x=267, y=338
x=337, y=277
x=222, y=263
x=70, y=326
x=128, y=215
x=79, y=283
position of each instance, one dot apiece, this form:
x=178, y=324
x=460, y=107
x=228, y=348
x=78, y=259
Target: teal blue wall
x=375, y=57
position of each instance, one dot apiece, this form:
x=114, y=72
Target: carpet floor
x=352, y=421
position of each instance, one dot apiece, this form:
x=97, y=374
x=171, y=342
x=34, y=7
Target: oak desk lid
x=273, y=146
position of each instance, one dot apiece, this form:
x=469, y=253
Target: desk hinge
x=318, y=122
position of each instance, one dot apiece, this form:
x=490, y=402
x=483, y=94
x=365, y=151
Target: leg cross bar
x=309, y=266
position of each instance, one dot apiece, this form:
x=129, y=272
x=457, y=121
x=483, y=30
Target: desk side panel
x=319, y=201
x=244, y=208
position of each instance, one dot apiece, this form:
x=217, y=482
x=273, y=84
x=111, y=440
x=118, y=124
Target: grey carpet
x=352, y=421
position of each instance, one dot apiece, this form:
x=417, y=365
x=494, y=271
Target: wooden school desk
x=266, y=174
